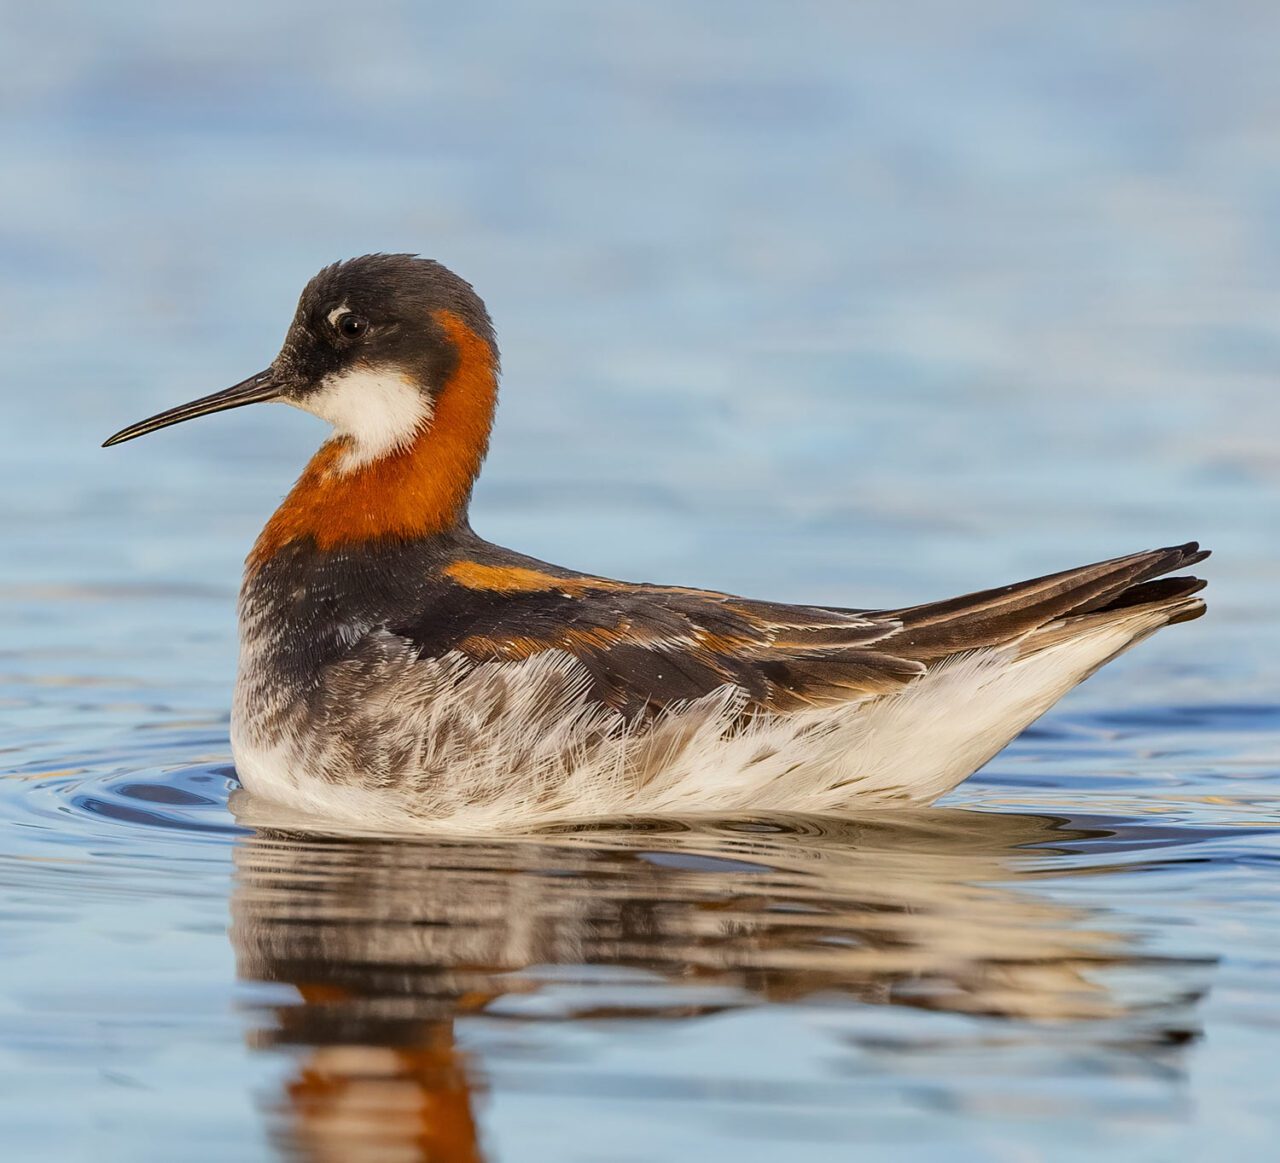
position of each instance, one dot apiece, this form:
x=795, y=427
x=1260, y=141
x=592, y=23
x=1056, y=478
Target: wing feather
x=648, y=647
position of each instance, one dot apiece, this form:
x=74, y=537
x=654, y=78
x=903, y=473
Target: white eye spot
x=380, y=411
x=336, y=314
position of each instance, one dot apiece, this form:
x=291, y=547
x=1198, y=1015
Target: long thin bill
x=255, y=390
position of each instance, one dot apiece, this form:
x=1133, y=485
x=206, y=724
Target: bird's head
x=374, y=343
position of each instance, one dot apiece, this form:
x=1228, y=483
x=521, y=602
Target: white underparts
x=378, y=410
x=448, y=743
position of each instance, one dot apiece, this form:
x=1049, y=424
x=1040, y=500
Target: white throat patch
x=378, y=409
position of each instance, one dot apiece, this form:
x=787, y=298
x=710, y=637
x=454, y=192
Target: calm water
x=873, y=304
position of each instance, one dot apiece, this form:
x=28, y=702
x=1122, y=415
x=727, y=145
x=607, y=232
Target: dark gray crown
x=391, y=289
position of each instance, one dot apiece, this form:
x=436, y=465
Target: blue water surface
x=861, y=304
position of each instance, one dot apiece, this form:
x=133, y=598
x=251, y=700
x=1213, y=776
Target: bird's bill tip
x=256, y=389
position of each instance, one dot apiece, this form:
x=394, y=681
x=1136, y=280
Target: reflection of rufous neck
x=349, y=1103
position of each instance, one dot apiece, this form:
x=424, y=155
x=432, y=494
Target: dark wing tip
x=1162, y=590
x=1184, y=555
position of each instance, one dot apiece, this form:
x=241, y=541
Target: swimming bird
x=398, y=670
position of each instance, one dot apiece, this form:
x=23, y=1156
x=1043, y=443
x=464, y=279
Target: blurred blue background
x=864, y=304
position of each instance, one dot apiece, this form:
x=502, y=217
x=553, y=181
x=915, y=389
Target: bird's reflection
x=389, y=943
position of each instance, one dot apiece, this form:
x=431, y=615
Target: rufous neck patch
x=414, y=491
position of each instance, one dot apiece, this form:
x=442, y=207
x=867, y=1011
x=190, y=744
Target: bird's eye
x=352, y=326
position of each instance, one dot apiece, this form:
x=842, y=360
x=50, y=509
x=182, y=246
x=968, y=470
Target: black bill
x=255, y=390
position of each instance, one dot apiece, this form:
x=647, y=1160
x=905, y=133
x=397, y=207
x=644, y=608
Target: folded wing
x=647, y=647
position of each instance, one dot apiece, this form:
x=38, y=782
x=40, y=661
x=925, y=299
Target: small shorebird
x=397, y=670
